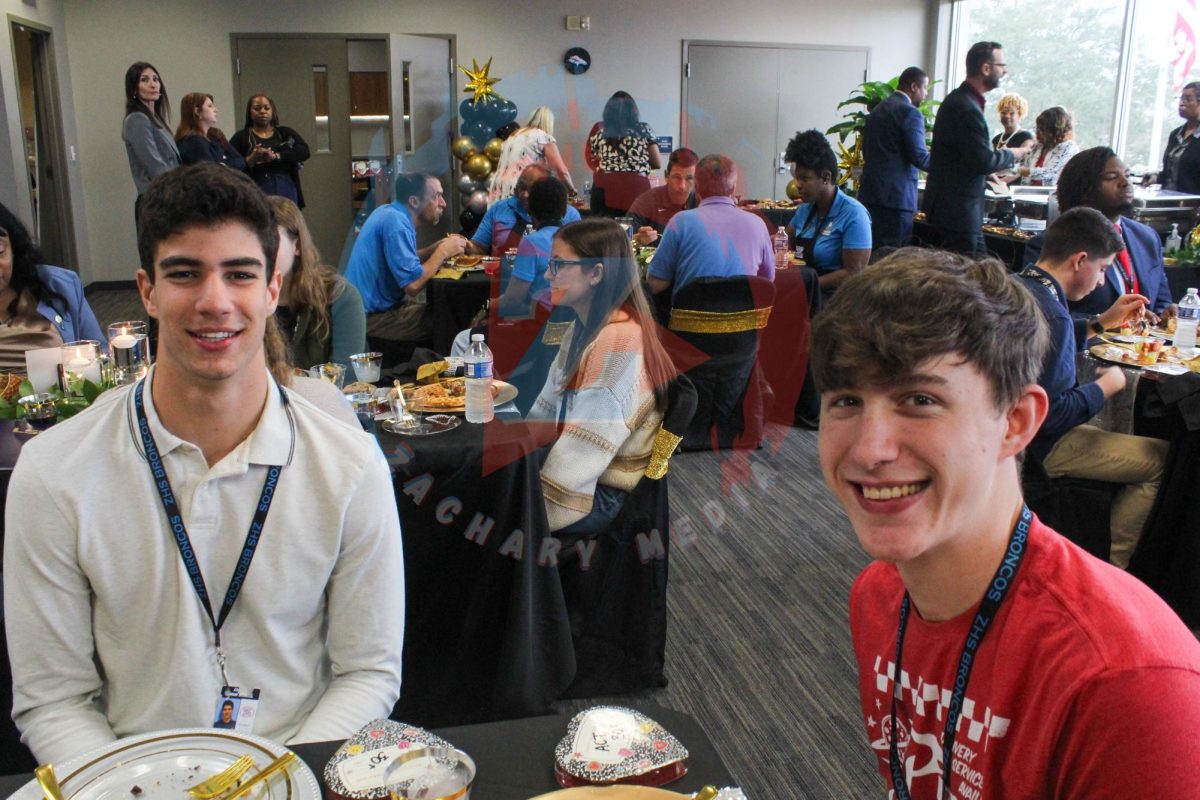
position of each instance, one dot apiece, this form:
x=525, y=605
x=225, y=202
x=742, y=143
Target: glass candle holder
x=80, y=361
x=129, y=346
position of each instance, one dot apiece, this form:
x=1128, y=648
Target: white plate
x=165, y=763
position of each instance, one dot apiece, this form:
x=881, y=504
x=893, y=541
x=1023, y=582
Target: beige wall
x=635, y=46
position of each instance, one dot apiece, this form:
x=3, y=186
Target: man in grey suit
x=893, y=151
x=963, y=157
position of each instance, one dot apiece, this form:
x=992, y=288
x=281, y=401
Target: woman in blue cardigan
x=40, y=306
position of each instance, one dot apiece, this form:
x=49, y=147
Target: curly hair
x=1013, y=102
x=25, y=258
x=249, y=122
x=1080, y=178
x=1056, y=121
x=810, y=150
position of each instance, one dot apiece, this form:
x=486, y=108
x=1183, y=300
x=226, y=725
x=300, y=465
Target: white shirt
x=106, y=634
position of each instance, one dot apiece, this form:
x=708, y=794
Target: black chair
x=722, y=317
x=617, y=605
x=1078, y=508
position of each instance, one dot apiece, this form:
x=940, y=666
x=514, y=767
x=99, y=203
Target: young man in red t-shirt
x=996, y=659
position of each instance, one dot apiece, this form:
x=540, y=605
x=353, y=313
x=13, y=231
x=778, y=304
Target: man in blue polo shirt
x=547, y=206
x=385, y=265
x=1079, y=247
x=716, y=239
x=504, y=223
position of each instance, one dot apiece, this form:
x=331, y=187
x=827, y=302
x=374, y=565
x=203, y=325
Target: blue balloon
x=479, y=132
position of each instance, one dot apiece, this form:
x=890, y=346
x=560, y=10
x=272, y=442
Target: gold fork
x=222, y=781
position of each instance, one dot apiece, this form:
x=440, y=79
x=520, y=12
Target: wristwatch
x=1093, y=325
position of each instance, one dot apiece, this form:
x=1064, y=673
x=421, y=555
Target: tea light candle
x=87, y=367
x=123, y=340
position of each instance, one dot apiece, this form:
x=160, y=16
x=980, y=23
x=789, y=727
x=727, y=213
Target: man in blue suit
x=1096, y=178
x=963, y=157
x=893, y=151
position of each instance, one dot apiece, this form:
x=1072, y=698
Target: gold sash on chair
x=688, y=320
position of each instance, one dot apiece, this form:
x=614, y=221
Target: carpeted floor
x=758, y=644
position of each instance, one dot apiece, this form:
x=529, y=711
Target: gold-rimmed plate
x=165, y=763
x=505, y=392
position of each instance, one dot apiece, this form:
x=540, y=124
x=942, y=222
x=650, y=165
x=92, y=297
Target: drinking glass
x=626, y=224
x=129, y=345
x=41, y=410
x=367, y=366
x=330, y=373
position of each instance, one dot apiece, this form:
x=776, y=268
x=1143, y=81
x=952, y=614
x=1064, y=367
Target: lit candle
x=123, y=340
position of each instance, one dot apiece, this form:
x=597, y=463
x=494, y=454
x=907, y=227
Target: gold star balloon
x=479, y=82
x=850, y=164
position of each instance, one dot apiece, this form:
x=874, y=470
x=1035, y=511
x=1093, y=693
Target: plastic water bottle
x=478, y=363
x=1174, y=241
x=781, y=248
x=1185, y=325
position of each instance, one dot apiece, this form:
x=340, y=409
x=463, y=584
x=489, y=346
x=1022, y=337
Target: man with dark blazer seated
x=893, y=150
x=963, y=157
x=1097, y=179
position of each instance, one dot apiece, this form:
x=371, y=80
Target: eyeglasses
x=998, y=64
x=556, y=264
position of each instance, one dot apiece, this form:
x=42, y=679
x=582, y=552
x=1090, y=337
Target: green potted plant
x=867, y=96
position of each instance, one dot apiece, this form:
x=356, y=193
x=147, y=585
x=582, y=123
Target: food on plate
x=448, y=394
x=358, y=386
x=468, y=261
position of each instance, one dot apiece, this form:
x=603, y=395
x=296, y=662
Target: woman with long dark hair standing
x=274, y=153
x=621, y=151
x=147, y=129
x=608, y=385
x=198, y=137
x=40, y=306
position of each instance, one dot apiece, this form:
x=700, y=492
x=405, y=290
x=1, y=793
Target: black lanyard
x=1005, y=575
x=812, y=211
x=179, y=530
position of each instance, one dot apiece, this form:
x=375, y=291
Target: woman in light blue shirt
x=833, y=228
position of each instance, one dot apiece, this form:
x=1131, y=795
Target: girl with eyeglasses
x=608, y=385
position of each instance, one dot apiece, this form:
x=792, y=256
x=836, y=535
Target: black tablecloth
x=1009, y=249
x=487, y=634
x=514, y=760
x=452, y=304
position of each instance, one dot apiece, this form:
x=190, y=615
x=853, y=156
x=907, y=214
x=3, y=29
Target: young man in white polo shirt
x=205, y=534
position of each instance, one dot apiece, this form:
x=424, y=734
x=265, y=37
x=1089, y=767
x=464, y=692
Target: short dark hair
x=226, y=704
x=203, y=195
x=716, y=176
x=810, y=150
x=918, y=304
x=683, y=157
x=1081, y=229
x=411, y=184
x=980, y=54
x=910, y=76
x=1080, y=178
x=548, y=201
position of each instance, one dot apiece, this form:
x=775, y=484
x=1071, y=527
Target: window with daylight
x=1116, y=65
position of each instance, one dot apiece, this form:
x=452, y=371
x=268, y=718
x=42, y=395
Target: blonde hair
x=310, y=284
x=543, y=118
x=1013, y=102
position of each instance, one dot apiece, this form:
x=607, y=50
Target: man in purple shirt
x=714, y=240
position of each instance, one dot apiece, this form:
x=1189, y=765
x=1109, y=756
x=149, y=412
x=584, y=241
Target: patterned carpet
x=758, y=644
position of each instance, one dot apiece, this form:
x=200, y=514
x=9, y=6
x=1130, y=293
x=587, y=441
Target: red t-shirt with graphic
x=1086, y=686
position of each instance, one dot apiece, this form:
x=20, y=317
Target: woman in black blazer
x=274, y=153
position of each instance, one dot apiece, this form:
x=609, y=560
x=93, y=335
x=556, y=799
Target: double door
x=747, y=100
x=327, y=88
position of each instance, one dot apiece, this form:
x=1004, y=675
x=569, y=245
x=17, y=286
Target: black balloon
x=507, y=130
x=469, y=221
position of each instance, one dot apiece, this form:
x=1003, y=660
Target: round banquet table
x=487, y=634
x=452, y=303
